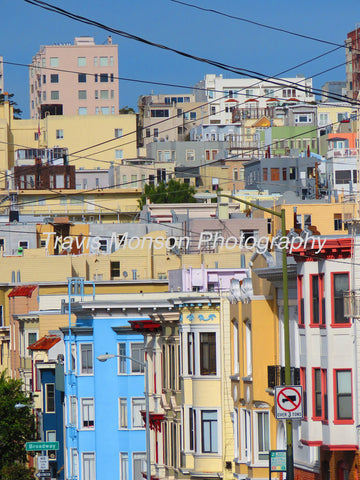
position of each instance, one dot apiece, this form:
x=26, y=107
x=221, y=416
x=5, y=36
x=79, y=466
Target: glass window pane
x=343, y=382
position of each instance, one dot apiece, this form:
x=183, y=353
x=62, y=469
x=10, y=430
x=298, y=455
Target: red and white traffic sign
x=288, y=402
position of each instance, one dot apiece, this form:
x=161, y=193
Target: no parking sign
x=288, y=402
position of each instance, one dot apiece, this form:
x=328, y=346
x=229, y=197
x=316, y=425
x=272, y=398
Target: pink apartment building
x=79, y=79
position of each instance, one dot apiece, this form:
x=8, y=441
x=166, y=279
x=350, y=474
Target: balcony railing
x=341, y=152
x=276, y=376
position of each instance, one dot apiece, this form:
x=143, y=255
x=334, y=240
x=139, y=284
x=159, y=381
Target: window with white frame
x=102, y=245
x=119, y=153
x=123, y=421
x=207, y=353
x=323, y=119
x=54, y=95
x=73, y=410
x=24, y=244
x=82, y=94
x=104, y=94
x=50, y=436
x=137, y=353
x=245, y=434
x=50, y=397
x=304, y=118
x=235, y=421
x=81, y=61
x=59, y=134
x=121, y=359
x=209, y=431
x=54, y=61
x=31, y=337
x=137, y=405
x=74, y=462
x=139, y=465
x=72, y=365
x=82, y=111
x=86, y=359
x=118, y=132
x=124, y=466
x=236, y=364
x=262, y=435
x=190, y=155
x=88, y=466
x=192, y=429
x=190, y=355
x=87, y=413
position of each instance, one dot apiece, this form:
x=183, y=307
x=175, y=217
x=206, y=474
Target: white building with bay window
x=327, y=438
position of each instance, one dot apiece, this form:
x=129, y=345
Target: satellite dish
x=125, y=274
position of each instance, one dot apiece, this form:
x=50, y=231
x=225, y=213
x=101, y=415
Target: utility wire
x=230, y=68
x=259, y=24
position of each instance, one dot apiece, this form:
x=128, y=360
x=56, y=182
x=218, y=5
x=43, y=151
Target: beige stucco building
x=168, y=117
x=113, y=135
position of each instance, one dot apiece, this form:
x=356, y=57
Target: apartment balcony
x=276, y=376
x=25, y=363
x=341, y=152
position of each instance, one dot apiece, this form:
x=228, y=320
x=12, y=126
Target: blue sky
x=25, y=27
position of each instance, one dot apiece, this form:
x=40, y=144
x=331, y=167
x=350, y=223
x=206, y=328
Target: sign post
x=277, y=461
x=43, y=462
x=288, y=402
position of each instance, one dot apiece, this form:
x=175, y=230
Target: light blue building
x=104, y=427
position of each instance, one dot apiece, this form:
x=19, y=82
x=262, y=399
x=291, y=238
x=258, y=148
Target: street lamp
x=107, y=356
x=281, y=215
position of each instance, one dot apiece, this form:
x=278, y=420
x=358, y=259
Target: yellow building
x=111, y=137
x=332, y=113
x=208, y=442
x=101, y=204
x=324, y=218
x=255, y=348
x=321, y=217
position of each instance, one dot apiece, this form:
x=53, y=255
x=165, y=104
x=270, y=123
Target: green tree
x=125, y=110
x=17, y=112
x=17, y=426
x=174, y=191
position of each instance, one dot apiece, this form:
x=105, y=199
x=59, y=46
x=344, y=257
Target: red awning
x=144, y=325
x=22, y=291
x=231, y=100
x=251, y=100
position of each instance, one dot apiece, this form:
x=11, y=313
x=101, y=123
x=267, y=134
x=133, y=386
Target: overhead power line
x=259, y=24
x=224, y=66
